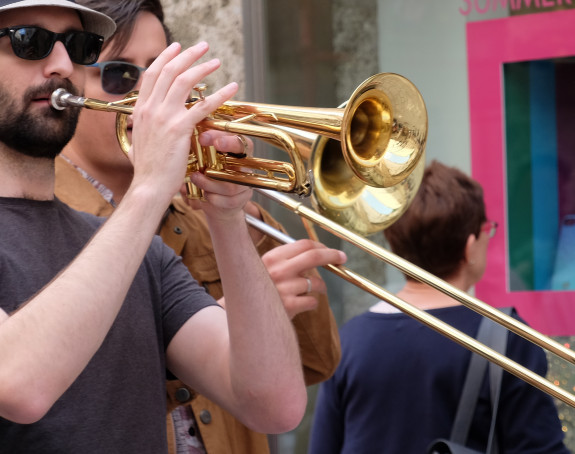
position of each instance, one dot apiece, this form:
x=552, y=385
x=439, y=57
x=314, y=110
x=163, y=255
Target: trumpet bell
x=384, y=130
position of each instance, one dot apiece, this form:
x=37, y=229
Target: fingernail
x=214, y=62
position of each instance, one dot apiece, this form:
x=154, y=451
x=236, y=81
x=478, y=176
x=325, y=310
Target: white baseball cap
x=93, y=21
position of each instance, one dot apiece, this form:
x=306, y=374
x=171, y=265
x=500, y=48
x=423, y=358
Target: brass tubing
x=420, y=315
x=295, y=176
x=60, y=99
x=423, y=276
x=382, y=128
x=300, y=183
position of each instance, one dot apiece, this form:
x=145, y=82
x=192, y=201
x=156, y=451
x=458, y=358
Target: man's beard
x=39, y=134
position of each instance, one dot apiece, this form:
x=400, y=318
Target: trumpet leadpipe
x=61, y=99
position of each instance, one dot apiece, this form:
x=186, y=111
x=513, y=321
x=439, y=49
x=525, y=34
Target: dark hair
x=124, y=13
x=433, y=231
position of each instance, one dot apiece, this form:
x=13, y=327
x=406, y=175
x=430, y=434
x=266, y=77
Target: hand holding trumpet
x=292, y=266
x=163, y=124
x=219, y=142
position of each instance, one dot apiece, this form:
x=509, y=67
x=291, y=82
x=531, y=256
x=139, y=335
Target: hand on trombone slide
x=292, y=268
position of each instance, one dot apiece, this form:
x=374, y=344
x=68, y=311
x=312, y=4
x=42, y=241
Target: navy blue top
x=398, y=386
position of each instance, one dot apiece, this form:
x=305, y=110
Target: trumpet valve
x=192, y=191
x=200, y=88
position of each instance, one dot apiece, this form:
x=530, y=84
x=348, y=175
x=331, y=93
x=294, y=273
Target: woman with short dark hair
x=399, y=382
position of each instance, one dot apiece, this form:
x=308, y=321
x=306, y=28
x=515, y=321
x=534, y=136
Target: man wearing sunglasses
x=91, y=176
x=90, y=307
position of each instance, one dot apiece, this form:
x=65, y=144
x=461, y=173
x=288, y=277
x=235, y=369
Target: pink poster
x=522, y=140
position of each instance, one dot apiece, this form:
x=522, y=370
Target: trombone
x=366, y=183
x=422, y=316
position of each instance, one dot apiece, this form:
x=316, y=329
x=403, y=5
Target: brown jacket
x=186, y=231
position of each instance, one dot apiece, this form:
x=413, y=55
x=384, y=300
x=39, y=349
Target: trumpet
x=382, y=131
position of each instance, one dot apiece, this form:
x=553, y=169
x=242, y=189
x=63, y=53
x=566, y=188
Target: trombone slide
x=422, y=316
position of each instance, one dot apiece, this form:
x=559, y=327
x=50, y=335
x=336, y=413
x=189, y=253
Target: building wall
x=218, y=22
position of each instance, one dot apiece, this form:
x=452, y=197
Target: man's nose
x=58, y=62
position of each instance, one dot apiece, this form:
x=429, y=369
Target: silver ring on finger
x=309, y=288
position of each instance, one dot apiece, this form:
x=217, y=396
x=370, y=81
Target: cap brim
x=93, y=21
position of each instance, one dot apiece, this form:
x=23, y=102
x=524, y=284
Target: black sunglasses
x=36, y=43
x=118, y=77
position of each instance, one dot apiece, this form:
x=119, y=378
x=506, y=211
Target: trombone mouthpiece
x=60, y=99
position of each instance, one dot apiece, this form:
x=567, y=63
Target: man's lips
x=42, y=99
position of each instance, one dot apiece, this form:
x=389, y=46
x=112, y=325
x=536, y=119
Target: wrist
x=146, y=202
x=253, y=209
x=230, y=226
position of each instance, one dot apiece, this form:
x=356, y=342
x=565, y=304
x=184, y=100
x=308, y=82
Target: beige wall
x=219, y=22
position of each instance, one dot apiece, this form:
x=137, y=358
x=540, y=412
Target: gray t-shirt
x=118, y=403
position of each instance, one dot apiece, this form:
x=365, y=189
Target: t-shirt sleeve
x=181, y=294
